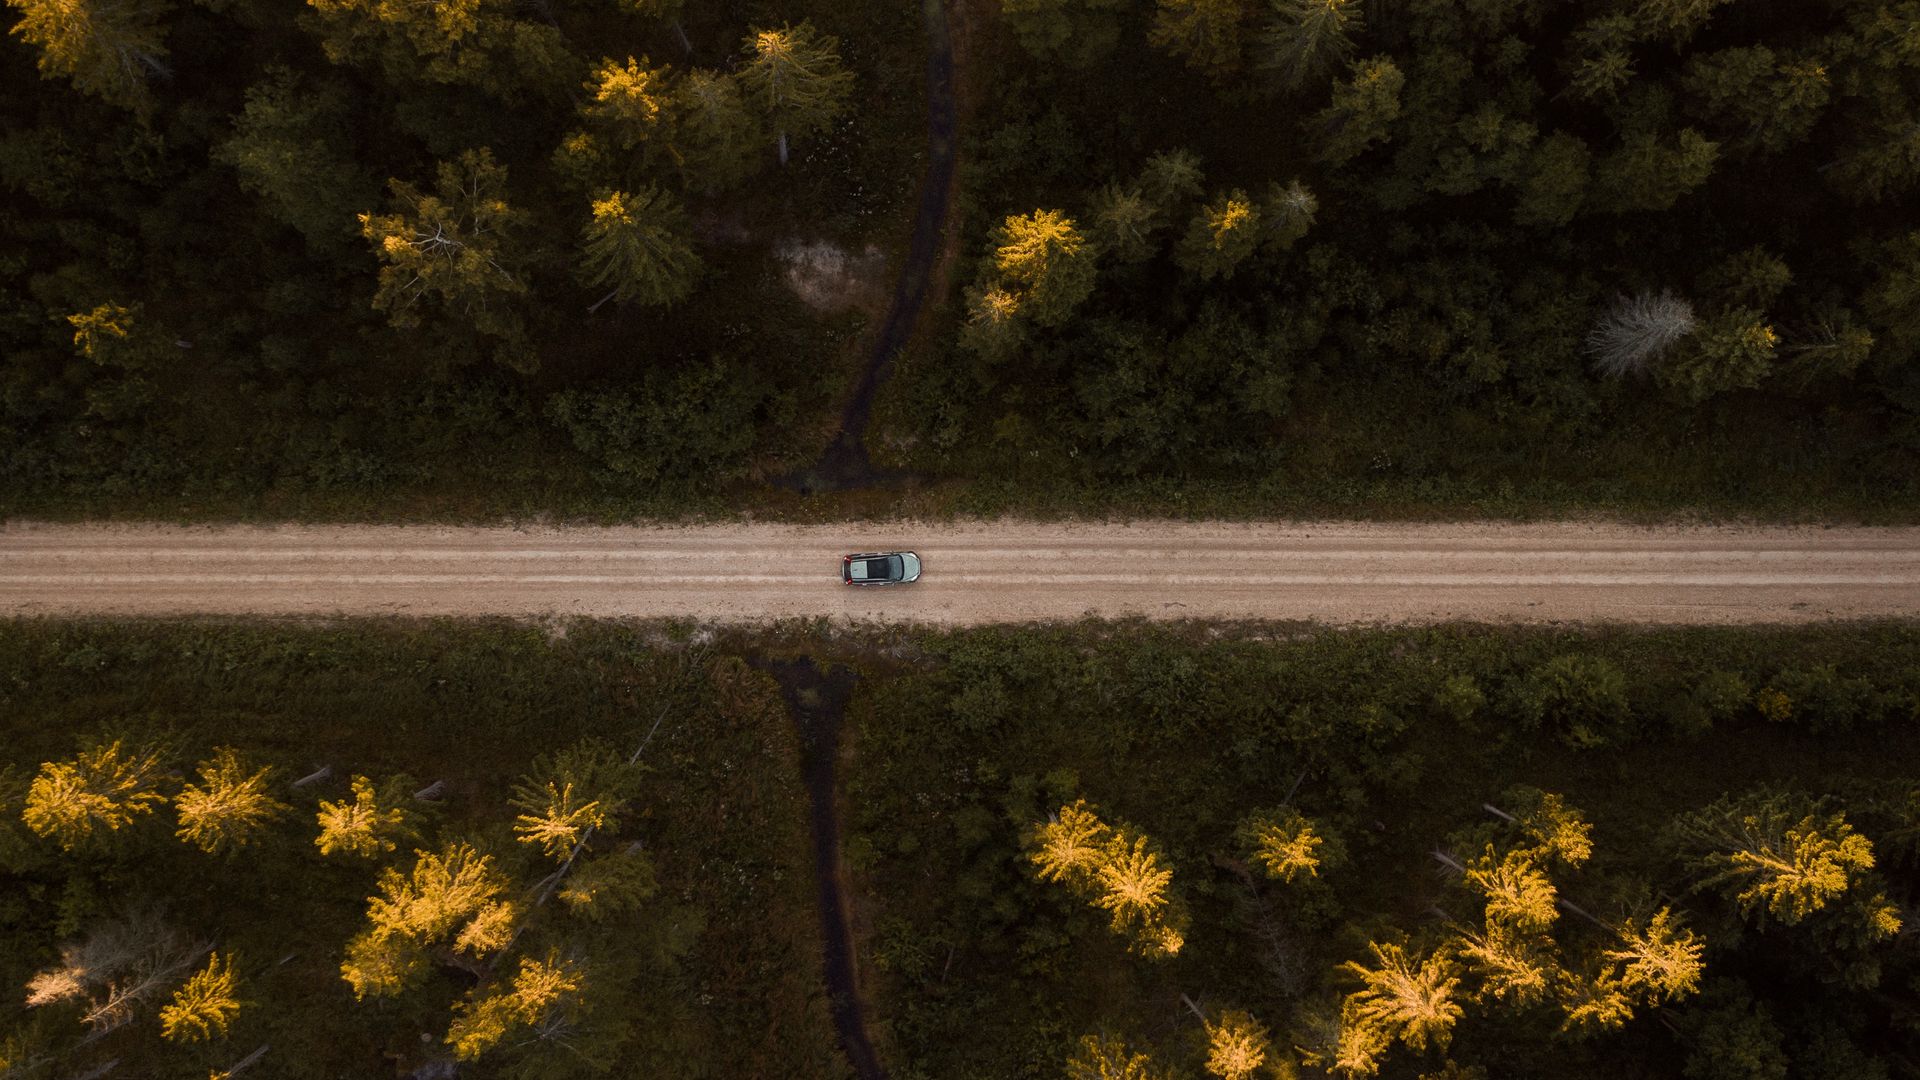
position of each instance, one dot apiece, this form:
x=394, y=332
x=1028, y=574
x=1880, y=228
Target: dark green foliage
x=1734, y=1038
x=1486, y=179
x=1188, y=733
x=718, y=810
x=224, y=207
x=687, y=429
x=1583, y=698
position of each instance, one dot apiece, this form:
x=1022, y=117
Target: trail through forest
x=976, y=572
x=846, y=463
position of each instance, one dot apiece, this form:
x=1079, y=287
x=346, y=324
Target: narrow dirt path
x=977, y=572
x=846, y=464
x=818, y=701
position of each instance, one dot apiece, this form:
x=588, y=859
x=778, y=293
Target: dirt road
x=978, y=572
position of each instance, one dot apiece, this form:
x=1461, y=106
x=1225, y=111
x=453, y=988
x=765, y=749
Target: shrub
x=1584, y=696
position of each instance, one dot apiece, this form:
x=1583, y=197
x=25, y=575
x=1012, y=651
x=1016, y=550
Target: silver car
x=880, y=568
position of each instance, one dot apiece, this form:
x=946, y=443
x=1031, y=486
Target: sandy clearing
x=977, y=572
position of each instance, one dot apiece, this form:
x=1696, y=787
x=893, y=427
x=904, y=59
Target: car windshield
x=888, y=568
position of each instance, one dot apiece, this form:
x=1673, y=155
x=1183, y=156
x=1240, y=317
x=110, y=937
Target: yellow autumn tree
x=205, y=1006
x=539, y=989
x=103, y=789
x=229, y=806
x=362, y=827
x=450, y=898
x=1237, y=1045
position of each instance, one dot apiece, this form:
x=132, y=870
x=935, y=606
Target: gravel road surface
x=976, y=572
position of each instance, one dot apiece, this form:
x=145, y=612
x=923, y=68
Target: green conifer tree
x=717, y=141
x=794, y=77
x=1043, y=257
x=1208, y=34
x=1307, y=40
x=1075, y=32
x=636, y=247
x=1221, y=237
x=633, y=101
x=457, y=251
x=1733, y=350
x=1363, y=111
x=1124, y=222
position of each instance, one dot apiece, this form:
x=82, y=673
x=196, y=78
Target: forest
x=1385, y=257
x=1098, y=851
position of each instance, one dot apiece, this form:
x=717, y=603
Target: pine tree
x=634, y=101
x=1554, y=187
x=541, y=989
x=1777, y=856
x=1047, y=261
x=1882, y=158
x=1661, y=959
x=1207, y=34
x=1592, y=1001
x=1288, y=213
x=609, y=886
x=1732, y=1037
x=1893, y=302
x=994, y=329
x=794, y=77
x=1678, y=19
x=1601, y=66
x=290, y=148
x=1407, y=999
x=1070, y=848
x=450, y=897
x=1307, y=40
x=1237, y=1046
x=555, y=817
x=1100, y=1058
x=1513, y=965
x=1075, y=32
x=1363, y=111
x=1170, y=180
x=1730, y=351
x=102, y=790
x=456, y=250
x=368, y=826
x=108, y=48
x=230, y=805
x=1761, y=100
x=1124, y=222
x=1221, y=237
x=1646, y=174
x=1286, y=845
x=716, y=142
x=1834, y=347
x=205, y=1006
x=636, y=246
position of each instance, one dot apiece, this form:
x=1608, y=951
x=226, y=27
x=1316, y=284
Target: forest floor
x=977, y=572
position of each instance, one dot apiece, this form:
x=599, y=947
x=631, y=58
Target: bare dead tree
x=324, y=772
x=1635, y=331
